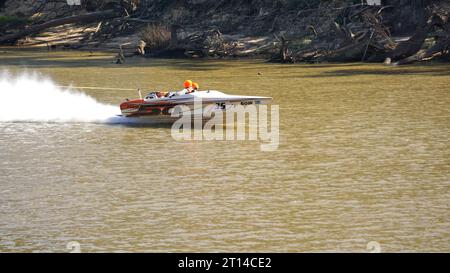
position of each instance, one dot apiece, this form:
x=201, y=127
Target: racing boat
x=160, y=107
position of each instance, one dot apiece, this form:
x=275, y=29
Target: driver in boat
x=188, y=88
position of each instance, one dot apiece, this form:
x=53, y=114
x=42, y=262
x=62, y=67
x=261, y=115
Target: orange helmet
x=187, y=83
x=195, y=85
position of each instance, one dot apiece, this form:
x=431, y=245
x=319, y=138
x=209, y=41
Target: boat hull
x=197, y=103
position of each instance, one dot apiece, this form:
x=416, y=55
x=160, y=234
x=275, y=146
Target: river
x=363, y=160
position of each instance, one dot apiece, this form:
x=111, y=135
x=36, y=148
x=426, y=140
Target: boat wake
x=30, y=97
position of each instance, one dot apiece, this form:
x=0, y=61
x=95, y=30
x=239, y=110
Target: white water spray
x=29, y=97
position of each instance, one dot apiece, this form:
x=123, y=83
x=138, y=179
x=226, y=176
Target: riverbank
x=41, y=56
x=399, y=32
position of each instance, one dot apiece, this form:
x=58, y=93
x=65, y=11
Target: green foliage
x=11, y=21
x=301, y=43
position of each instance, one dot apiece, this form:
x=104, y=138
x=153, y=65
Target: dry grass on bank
x=156, y=36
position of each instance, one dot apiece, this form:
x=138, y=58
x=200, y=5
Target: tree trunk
x=412, y=45
x=441, y=48
x=84, y=18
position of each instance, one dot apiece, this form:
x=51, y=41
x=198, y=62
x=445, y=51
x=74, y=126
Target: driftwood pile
x=358, y=33
x=209, y=43
x=351, y=33
x=325, y=34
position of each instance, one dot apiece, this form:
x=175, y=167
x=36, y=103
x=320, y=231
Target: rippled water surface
x=364, y=156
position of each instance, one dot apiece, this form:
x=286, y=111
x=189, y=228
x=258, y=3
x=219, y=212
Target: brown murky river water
x=364, y=156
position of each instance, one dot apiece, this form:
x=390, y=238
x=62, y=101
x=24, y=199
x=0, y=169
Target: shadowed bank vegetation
x=316, y=31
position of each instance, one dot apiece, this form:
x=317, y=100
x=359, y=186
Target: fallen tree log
x=84, y=18
x=354, y=34
x=352, y=51
x=412, y=45
x=441, y=48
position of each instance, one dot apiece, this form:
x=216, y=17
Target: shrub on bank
x=156, y=36
x=12, y=22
